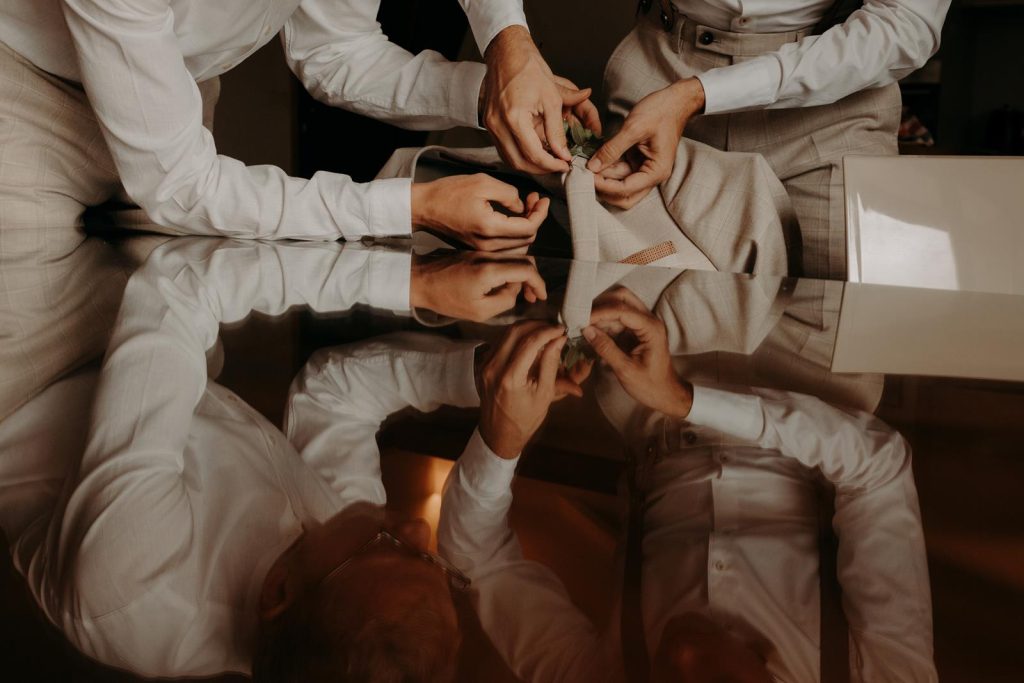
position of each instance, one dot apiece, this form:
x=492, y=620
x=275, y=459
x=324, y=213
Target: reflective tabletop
x=221, y=458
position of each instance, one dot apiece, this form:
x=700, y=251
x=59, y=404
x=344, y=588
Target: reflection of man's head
x=356, y=599
x=694, y=649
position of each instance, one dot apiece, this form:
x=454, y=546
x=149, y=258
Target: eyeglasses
x=456, y=578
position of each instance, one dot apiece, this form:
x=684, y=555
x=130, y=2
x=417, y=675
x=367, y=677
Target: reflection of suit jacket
x=762, y=331
x=718, y=210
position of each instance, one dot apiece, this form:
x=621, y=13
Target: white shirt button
x=719, y=565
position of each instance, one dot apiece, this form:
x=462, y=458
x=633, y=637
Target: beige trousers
x=59, y=292
x=805, y=147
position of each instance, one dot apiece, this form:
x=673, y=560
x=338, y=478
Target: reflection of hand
x=643, y=153
x=569, y=380
x=461, y=206
x=517, y=384
x=640, y=359
x=474, y=285
x=524, y=104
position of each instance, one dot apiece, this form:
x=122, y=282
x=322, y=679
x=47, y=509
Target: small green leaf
x=578, y=132
x=574, y=351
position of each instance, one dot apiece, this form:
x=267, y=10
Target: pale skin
x=474, y=285
x=640, y=359
x=522, y=105
x=462, y=207
x=517, y=382
x=642, y=154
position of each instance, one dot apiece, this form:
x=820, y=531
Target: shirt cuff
x=487, y=21
x=388, y=280
x=464, y=93
x=738, y=415
x=747, y=85
x=483, y=471
x=461, y=374
x=388, y=205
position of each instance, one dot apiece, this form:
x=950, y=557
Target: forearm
x=150, y=111
x=209, y=194
x=488, y=18
x=877, y=45
x=473, y=533
x=882, y=567
x=522, y=606
x=342, y=396
x=853, y=449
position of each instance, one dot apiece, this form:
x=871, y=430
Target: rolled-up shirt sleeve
x=522, y=605
x=339, y=52
x=877, y=45
x=150, y=111
x=128, y=497
x=341, y=398
x=487, y=18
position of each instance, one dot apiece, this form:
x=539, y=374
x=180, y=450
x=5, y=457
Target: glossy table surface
x=950, y=223
x=862, y=518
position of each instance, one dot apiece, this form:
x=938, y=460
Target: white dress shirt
x=140, y=62
x=152, y=554
x=730, y=532
x=879, y=44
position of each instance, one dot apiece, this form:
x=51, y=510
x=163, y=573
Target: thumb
x=570, y=97
x=496, y=191
x=613, y=149
x=607, y=349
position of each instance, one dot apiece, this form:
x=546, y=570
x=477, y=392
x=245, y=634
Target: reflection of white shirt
x=140, y=61
x=877, y=45
x=731, y=532
x=153, y=557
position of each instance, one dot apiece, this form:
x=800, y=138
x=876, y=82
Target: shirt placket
x=721, y=551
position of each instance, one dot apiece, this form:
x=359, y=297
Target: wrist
x=508, y=36
x=679, y=400
x=417, y=284
x=689, y=95
x=503, y=447
x=421, y=203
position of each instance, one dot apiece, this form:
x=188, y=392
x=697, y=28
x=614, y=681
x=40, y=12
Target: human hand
x=518, y=382
x=640, y=360
x=524, y=103
x=474, y=285
x=642, y=154
x=462, y=206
